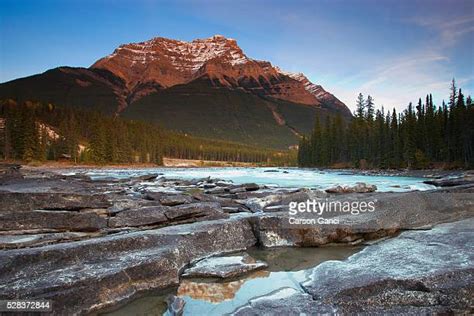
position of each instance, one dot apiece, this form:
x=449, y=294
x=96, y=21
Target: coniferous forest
x=33, y=131
x=422, y=136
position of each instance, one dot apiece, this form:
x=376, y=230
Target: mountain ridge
x=207, y=87
x=163, y=62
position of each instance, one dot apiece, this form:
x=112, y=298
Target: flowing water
x=287, y=267
x=278, y=177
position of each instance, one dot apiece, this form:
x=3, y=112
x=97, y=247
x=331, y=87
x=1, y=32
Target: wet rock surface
x=224, y=267
x=88, y=244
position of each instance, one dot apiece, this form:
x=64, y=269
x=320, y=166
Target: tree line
x=422, y=136
x=33, y=131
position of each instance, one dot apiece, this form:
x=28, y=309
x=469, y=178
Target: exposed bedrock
x=392, y=213
x=19, y=201
x=92, y=274
x=86, y=252
x=418, y=272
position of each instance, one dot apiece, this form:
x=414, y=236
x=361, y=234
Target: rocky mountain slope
x=188, y=85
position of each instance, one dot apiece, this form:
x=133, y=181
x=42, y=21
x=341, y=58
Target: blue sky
x=396, y=51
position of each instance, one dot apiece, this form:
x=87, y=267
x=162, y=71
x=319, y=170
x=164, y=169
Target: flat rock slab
x=169, y=199
x=51, y=220
x=393, y=212
x=34, y=240
x=451, y=181
x=419, y=271
x=193, y=211
x=84, y=276
x=16, y=201
x=150, y=215
x=224, y=267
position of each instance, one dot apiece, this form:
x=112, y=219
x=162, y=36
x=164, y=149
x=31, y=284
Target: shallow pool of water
x=288, y=267
x=280, y=177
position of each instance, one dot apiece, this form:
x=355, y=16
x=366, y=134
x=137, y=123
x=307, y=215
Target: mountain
x=206, y=87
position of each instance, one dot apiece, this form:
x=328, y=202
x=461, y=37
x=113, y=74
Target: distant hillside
x=33, y=131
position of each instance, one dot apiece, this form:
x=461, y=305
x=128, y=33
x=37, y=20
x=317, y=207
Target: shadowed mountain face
x=207, y=87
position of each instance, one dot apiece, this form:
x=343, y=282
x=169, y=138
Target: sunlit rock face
x=160, y=63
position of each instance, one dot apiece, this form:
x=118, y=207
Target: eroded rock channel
x=92, y=245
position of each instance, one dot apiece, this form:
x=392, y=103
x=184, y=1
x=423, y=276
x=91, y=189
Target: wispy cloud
x=448, y=32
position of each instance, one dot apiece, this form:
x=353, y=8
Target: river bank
x=94, y=244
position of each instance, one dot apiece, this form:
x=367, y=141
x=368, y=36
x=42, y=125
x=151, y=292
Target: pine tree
x=360, y=107
x=370, y=108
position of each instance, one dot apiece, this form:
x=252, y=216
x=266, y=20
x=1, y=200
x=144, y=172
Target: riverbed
x=275, y=177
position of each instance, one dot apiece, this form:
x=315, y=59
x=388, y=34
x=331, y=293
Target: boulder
x=51, y=220
x=258, y=204
x=251, y=186
x=19, y=201
x=224, y=267
x=360, y=187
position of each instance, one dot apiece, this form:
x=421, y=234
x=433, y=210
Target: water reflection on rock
x=216, y=292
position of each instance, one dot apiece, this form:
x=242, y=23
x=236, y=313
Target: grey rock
x=169, y=199
x=34, y=240
x=392, y=213
x=217, y=190
x=195, y=211
x=151, y=215
x=175, y=305
x=51, y=220
x=251, y=186
x=450, y=181
x=208, y=186
x=234, y=209
x=238, y=189
x=224, y=267
x=258, y=204
x=18, y=201
x=10, y=172
x=429, y=272
x=88, y=275
x=284, y=301
x=221, y=183
x=360, y=187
